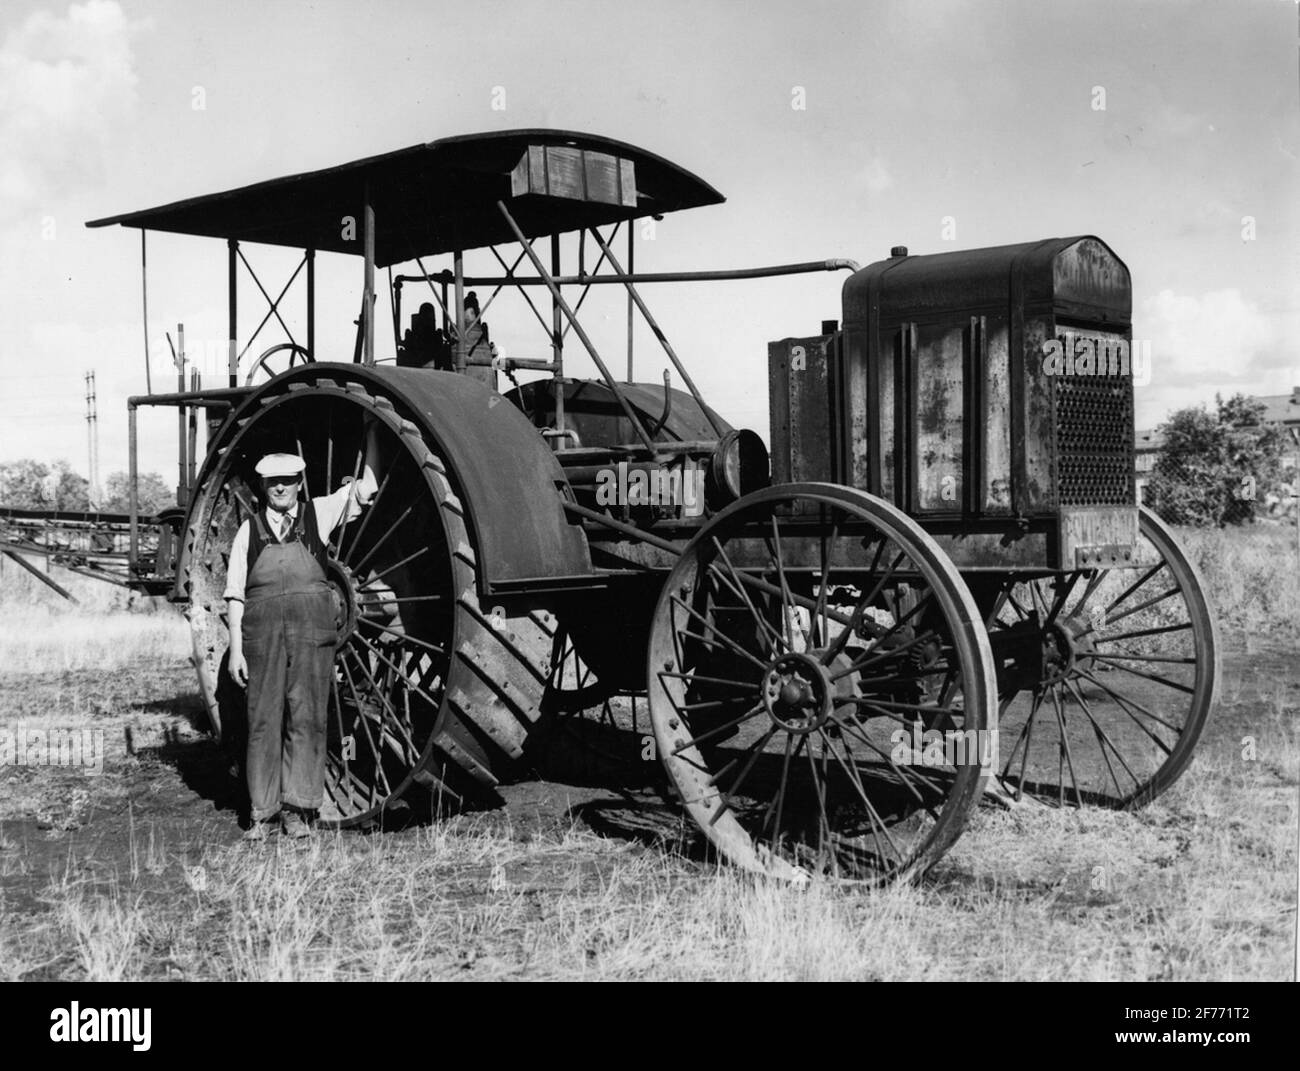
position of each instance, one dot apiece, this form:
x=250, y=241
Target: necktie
x=285, y=521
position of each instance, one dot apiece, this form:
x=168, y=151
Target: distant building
x=1284, y=410
x=1146, y=445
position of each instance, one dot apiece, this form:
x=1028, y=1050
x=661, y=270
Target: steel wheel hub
x=797, y=692
x=343, y=588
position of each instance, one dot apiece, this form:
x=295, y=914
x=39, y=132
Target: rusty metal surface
x=938, y=386
x=995, y=458
x=1079, y=272
x=802, y=410
x=591, y=409
x=954, y=413
x=1105, y=536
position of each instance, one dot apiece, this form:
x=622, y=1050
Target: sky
x=833, y=129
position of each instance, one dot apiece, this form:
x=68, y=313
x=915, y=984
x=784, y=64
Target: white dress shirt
x=331, y=511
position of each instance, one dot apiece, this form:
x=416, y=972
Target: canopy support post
x=631, y=270
x=458, y=263
x=144, y=300
x=557, y=339
x=368, y=300
x=133, y=491
x=232, y=310
x=310, y=254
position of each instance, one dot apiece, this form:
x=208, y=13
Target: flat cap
x=280, y=465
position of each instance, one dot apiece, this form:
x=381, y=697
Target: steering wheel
x=297, y=355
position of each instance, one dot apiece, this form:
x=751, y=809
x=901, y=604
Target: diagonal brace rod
x=610, y=382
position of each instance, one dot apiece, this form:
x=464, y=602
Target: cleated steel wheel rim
x=1106, y=676
x=806, y=640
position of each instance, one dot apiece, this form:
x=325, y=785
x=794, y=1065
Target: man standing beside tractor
x=283, y=636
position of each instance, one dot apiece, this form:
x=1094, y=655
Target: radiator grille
x=1094, y=440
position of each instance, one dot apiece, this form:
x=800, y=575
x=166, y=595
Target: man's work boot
x=295, y=825
x=258, y=831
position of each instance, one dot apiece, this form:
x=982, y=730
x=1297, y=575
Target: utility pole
x=92, y=442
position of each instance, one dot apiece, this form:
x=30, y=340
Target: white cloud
x=1217, y=342
x=65, y=83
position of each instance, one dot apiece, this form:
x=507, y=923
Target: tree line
x=30, y=484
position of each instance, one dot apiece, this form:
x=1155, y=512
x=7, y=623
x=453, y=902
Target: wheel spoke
x=1062, y=596
x=418, y=689
x=855, y=619
x=376, y=757
x=1142, y=632
x=1112, y=618
x=787, y=599
x=380, y=541
x=337, y=552
x=329, y=450
x=778, y=798
x=306, y=483
x=1029, y=741
x=382, y=693
x=384, y=600
x=709, y=734
x=1134, y=586
x=1094, y=582
x=1110, y=656
x=820, y=624
x=1103, y=738
x=899, y=622
x=727, y=641
x=1065, y=746
x=733, y=791
x=370, y=511
x=874, y=658
x=738, y=589
x=1124, y=705
x=1148, y=676
x=856, y=780
x=406, y=637
x=823, y=825
x=375, y=578
x=693, y=677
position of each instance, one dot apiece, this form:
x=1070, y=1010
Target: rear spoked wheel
x=433, y=694
x=1106, y=676
x=808, y=645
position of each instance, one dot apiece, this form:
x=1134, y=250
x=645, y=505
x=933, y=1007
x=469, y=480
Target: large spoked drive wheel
x=1106, y=676
x=431, y=691
x=822, y=687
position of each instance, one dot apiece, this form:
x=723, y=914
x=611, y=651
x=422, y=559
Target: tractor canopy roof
x=442, y=196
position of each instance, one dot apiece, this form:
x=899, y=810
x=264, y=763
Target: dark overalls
x=289, y=639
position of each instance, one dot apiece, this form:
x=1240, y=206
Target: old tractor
x=932, y=581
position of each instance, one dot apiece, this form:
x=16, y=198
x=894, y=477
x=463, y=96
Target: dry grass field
x=137, y=872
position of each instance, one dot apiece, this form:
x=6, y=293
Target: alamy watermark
x=84, y=748
x=75, y=1023
x=945, y=747
x=623, y=485
x=1087, y=355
